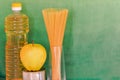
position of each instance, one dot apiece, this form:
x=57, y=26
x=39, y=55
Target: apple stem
x=32, y=42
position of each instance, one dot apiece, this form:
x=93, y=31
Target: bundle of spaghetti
x=55, y=21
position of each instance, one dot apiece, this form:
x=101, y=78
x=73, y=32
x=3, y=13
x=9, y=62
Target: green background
x=91, y=41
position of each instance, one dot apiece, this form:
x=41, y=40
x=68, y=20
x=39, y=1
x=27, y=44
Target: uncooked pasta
x=55, y=21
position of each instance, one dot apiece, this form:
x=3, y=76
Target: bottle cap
x=17, y=6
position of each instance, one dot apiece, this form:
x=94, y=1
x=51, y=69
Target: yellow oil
x=16, y=28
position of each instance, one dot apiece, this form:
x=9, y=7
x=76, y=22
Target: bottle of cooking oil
x=16, y=28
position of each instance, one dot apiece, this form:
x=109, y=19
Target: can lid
x=16, y=6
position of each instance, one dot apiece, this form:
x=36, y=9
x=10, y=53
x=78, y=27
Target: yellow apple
x=33, y=56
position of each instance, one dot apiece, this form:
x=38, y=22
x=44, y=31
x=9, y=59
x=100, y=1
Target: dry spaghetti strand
x=55, y=21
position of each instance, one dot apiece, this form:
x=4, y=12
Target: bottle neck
x=16, y=11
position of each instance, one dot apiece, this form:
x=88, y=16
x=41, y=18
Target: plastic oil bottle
x=16, y=29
